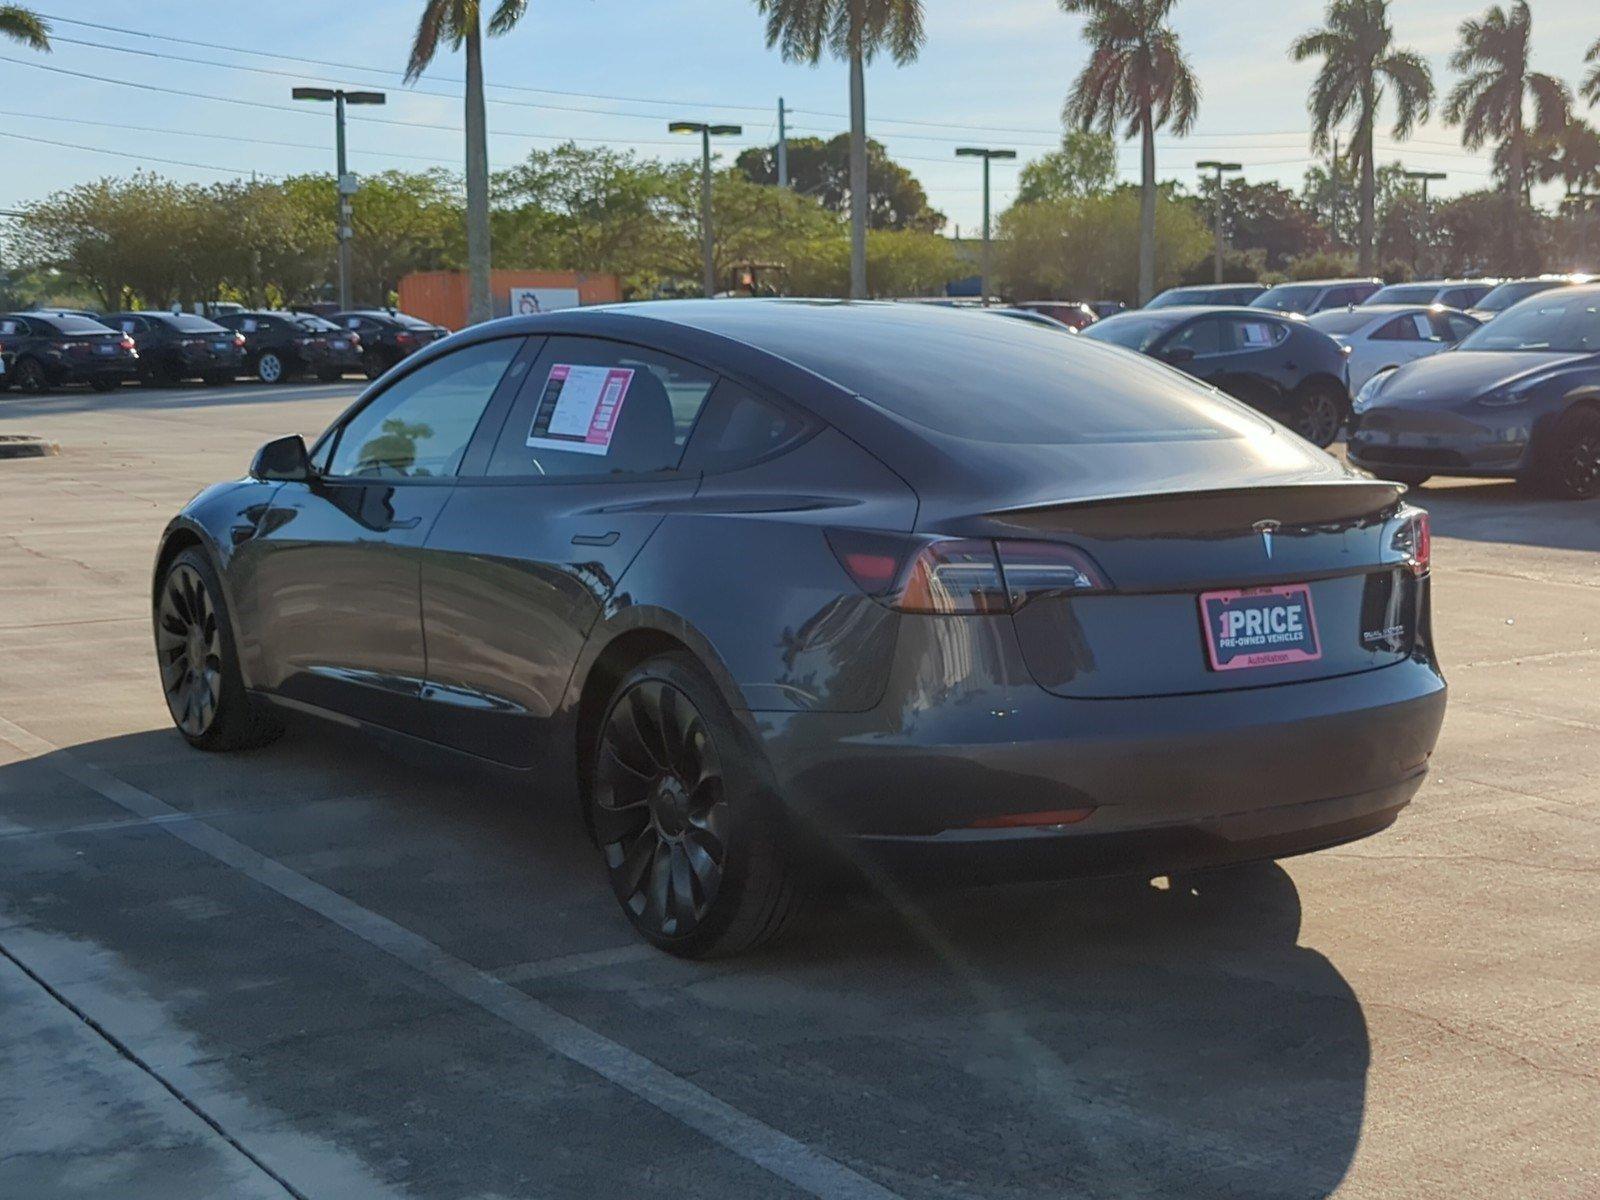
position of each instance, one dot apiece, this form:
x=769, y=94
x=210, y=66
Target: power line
x=175, y=162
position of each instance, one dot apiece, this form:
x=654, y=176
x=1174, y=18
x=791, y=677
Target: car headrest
x=644, y=440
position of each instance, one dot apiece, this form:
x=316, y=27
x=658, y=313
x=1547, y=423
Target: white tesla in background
x=1381, y=336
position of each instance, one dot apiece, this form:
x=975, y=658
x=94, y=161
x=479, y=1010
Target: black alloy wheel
x=199, y=669
x=1572, y=462
x=685, y=840
x=31, y=377
x=1317, y=416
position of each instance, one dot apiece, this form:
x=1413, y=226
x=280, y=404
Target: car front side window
x=419, y=427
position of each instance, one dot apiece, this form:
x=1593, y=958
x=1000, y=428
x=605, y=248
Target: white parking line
x=750, y=1138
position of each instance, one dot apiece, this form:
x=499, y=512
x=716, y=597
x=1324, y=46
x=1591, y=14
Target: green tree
x=821, y=169
x=1590, y=88
x=1359, y=64
x=1488, y=104
x=854, y=30
x=1264, y=217
x=23, y=25
x=459, y=23
x=1137, y=75
x=753, y=224
x=1085, y=165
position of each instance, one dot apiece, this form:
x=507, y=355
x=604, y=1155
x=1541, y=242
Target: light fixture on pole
x=988, y=155
x=1425, y=178
x=344, y=182
x=1216, y=219
x=707, y=243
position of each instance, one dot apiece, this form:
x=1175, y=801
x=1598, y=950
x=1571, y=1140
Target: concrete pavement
x=316, y=970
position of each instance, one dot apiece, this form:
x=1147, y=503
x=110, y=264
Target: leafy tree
x=1136, y=75
x=1264, y=217
x=821, y=169
x=1085, y=165
x=854, y=30
x=24, y=25
x=1359, y=63
x=752, y=223
x=1590, y=88
x=459, y=23
x=1488, y=104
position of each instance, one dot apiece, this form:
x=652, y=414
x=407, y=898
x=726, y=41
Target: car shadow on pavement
x=1502, y=511
x=1095, y=1038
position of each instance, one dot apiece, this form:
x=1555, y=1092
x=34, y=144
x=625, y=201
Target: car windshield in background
x=1507, y=294
x=1341, y=320
x=315, y=324
x=70, y=324
x=1179, y=296
x=1130, y=330
x=1288, y=299
x=1405, y=293
x=1569, y=324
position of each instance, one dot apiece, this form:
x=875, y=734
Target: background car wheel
x=1317, y=414
x=199, y=665
x=30, y=377
x=106, y=385
x=330, y=376
x=270, y=368
x=1569, y=458
x=219, y=378
x=687, y=833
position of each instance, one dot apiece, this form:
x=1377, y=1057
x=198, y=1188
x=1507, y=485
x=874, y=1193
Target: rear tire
x=199, y=663
x=1567, y=464
x=30, y=377
x=270, y=368
x=1317, y=413
x=688, y=834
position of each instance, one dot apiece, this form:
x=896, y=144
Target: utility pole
x=988, y=156
x=707, y=241
x=344, y=183
x=783, y=145
x=1424, y=177
x=1219, y=168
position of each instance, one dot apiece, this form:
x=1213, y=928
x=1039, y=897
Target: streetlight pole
x=1216, y=220
x=344, y=182
x=707, y=242
x=1424, y=177
x=783, y=144
x=988, y=155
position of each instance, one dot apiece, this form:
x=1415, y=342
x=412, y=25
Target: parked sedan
x=48, y=349
x=1384, y=336
x=1210, y=293
x=1068, y=312
x=1315, y=295
x=387, y=336
x=1518, y=397
x=1276, y=364
x=178, y=346
x=1032, y=317
x=750, y=578
x=1451, y=293
x=279, y=346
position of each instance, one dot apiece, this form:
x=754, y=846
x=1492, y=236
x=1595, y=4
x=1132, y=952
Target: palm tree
x=1488, y=102
x=21, y=25
x=1137, y=75
x=1590, y=88
x=457, y=21
x=854, y=30
x=1359, y=63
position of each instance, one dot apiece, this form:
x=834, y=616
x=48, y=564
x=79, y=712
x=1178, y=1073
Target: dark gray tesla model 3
x=761, y=575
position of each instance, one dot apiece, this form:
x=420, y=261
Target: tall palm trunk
x=480, y=303
x=1369, y=181
x=858, y=167
x=1514, y=190
x=1147, y=207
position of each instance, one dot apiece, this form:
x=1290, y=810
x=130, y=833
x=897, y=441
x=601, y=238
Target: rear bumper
x=1252, y=772
x=1485, y=442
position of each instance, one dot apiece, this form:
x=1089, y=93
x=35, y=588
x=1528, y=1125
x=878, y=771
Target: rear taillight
x=1413, y=540
x=127, y=342
x=355, y=339
x=238, y=340
x=403, y=339
x=962, y=575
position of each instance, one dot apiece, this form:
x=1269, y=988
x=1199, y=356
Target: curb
x=26, y=446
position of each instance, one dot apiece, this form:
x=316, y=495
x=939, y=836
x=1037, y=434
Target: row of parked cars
x=46, y=349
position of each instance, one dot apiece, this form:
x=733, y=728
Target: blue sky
x=993, y=72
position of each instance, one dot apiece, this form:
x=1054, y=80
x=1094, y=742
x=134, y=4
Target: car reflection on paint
x=760, y=580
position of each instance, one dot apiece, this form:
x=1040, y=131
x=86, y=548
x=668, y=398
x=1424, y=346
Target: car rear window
x=1404, y=294
x=314, y=324
x=187, y=323
x=1507, y=294
x=70, y=324
x=1340, y=321
x=1131, y=330
x=1288, y=299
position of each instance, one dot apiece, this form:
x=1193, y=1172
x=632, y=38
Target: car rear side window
x=1245, y=333
x=12, y=327
x=595, y=407
x=420, y=426
x=1408, y=327
x=738, y=428
x=1202, y=337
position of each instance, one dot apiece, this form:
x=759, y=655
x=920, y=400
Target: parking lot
x=317, y=970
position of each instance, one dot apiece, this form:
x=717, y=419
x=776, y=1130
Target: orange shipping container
x=441, y=296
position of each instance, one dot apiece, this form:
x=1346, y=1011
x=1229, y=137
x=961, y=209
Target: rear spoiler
x=1202, y=512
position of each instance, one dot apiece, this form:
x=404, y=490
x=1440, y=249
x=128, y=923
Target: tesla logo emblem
x=1266, y=529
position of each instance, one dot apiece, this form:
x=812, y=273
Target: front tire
x=199, y=663
x=270, y=368
x=31, y=377
x=1568, y=466
x=1317, y=414
x=687, y=833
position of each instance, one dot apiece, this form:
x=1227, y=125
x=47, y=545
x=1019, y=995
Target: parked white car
x=1383, y=336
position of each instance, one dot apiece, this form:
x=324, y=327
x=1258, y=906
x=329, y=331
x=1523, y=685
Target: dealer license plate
x=1260, y=627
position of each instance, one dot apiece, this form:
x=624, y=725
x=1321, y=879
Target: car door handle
x=596, y=539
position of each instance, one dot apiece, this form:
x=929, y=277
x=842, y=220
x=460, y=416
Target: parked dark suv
x=387, y=336
x=1274, y=363
x=178, y=346
x=46, y=349
x=1316, y=295
x=279, y=346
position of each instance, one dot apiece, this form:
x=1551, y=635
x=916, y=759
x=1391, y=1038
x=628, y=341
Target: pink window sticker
x=579, y=408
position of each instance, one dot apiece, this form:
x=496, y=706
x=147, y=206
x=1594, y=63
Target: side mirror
x=282, y=460
x=1177, y=355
